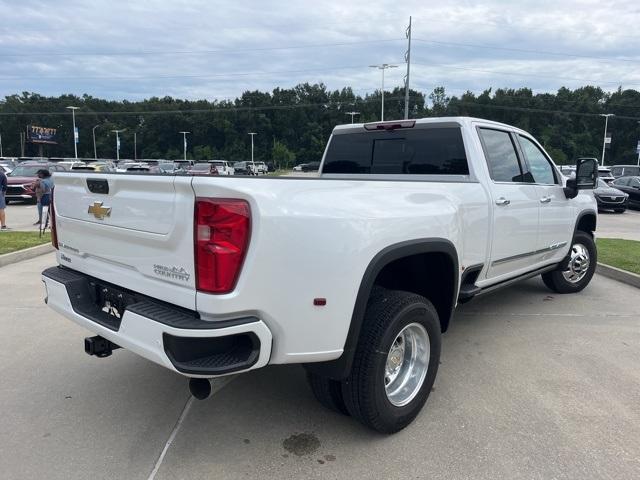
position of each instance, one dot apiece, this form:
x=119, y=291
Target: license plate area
x=109, y=303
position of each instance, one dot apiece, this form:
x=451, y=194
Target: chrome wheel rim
x=407, y=364
x=579, y=262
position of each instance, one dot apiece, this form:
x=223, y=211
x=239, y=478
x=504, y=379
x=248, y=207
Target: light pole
x=352, y=114
x=117, y=132
x=95, y=151
x=383, y=67
x=252, y=135
x=637, y=149
x=604, y=141
x=75, y=132
x=184, y=144
x=1, y=155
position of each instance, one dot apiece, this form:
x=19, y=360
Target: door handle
x=545, y=199
x=502, y=201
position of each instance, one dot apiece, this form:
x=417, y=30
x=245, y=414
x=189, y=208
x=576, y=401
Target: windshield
x=201, y=166
x=26, y=171
x=602, y=184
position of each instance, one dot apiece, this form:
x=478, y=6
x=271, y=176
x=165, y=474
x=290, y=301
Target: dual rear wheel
x=394, y=366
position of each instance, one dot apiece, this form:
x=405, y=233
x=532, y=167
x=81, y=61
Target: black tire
x=388, y=312
x=555, y=279
x=328, y=392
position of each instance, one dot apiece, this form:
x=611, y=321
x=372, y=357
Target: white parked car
x=223, y=167
x=261, y=168
x=375, y=253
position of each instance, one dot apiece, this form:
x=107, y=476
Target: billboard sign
x=37, y=134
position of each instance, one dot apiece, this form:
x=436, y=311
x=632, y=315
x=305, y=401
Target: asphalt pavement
x=531, y=385
x=619, y=225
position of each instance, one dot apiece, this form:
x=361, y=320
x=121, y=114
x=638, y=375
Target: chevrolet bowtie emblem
x=99, y=211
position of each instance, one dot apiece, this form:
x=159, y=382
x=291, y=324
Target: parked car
x=68, y=165
x=625, y=171
x=311, y=167
x=300, y=167
x=203, y=169
x=93, y=166
x=373, y=266
x=605, y=174
x=610, y=198
x=630, y=186
x=131, y=166
x=169, y=167
x=245, y=168
x=568, y=170
x=20, y=182
x=8, y=164
x=223, y=167
x=261, y=168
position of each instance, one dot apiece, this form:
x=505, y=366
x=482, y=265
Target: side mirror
x=586, y=177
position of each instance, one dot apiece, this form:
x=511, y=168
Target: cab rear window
x=430, y=151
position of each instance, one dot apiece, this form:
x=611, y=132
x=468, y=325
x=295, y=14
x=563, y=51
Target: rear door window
x=421, y=151
x=501, y=155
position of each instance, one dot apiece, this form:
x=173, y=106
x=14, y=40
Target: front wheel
x=577, y=273
x=396, y=361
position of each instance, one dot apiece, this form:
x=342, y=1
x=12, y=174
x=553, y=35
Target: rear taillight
x=221, y=237
x=52, y=219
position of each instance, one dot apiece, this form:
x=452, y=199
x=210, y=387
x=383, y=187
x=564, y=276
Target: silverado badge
x=99, y=211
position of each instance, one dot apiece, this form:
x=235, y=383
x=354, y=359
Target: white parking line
x=215, y=388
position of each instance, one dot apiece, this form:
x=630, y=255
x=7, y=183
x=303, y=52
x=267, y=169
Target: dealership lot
x=532, y=385
x=610, y=225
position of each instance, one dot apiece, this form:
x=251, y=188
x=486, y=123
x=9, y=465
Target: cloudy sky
x=213, y=49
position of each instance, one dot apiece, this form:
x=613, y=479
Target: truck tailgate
x=138, y=235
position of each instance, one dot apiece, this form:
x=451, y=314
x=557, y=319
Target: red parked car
x=203, y=169
x=20, y=182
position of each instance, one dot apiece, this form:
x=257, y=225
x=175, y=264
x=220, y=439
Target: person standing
x=3, y=203
x=44, y=187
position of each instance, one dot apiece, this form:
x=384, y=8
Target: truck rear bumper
x=174, y=338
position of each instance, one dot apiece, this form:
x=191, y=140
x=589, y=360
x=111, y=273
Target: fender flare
x=339, y=368
x=583, y=214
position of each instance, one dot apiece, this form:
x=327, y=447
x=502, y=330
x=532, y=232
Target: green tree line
x=293, y=125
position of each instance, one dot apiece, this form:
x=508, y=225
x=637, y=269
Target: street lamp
x=252, y=135
x=117, y=132
x=604, y=141
x=93, y=132
x=184, y=144
x=383, y=67
x=75, y=132
x=352, y=114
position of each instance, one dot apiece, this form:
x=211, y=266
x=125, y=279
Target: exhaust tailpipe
x=200, y=388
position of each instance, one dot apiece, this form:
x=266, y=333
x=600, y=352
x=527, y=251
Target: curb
x=26, y=254
x=618, y=274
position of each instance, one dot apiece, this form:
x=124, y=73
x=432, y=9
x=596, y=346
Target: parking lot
x=610, y=225
x=531, y=385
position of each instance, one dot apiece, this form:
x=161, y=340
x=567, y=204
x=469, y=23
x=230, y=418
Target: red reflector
x=319, y=302
x=390, y=125
x=221, y=236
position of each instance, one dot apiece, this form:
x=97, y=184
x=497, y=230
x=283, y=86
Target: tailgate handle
x=98, y=185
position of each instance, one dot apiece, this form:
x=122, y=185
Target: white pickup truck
x=354, y=273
